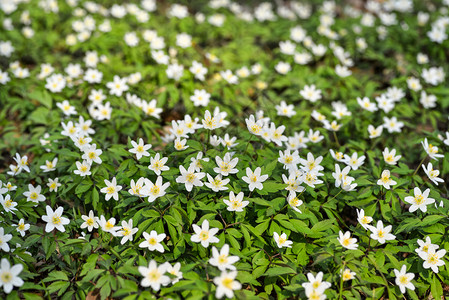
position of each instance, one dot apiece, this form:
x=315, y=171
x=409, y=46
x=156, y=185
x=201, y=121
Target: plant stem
x=336, y=195
x=419, y=165
x=336, y=138
x=340, y=294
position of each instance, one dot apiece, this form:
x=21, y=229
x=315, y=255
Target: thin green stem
x=340, y=294
x=419, y=166
x=336, y=138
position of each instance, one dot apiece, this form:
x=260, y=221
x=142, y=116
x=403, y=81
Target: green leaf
x=277, y=271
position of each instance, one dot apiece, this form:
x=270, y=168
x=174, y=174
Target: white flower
x=9, y=276
x=22, y=227
x=118, y=86
x=381, y=233
x=362, y=219
x=157, y=164
x=127, y=231
x=404, y=279
x=385, y=180
x=83, y=168
x=55, y=219
x=366, y=104
x=254, y=179
x=346, y=240
x=425, y=246
x=427, y=101
x=156, y=190
x=314, y=137
x=222, y=260
x=8, y=204
x=53, y=184
x=154, y=276
x=66, y=108
x=92, y=154
x=190, y=178
x=347, y=274
x=200, y=98
x=153, y=241
x=204, y=235
x=293, y=201
x=432, y=258
x=281, y=240
x=226, y=285
x=108, y=226
x=90, y=221
x=175, y=71
x=282, y=67
x=390, y=156
x=4, y=239
x=311, y=93
x=431, y=150
x=354, y=161
x=136, y=187
x=420, y=200
x=339, y=175
x=140, y=149
x=196, y=161
x=285, y=110
x=180, y=144
x=235, y=203
x=375, y=132
x=34, y=194
x=226, y=165
x=432, y=174
x=199, y=71
x=111, y=189
x=316, y=283
x=217, y=184
x=174, y=270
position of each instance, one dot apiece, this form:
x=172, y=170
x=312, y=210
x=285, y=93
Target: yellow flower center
x=204, y=235
x=155, y=190
x=154, y=275
x=255, y=128
x=403, y=279
x=6, y=277
x=152, y=241
x=432, y=259
x=190, y=177
x=34, y=196
x=21, y=226
x=223, y=259
x=108, y=225
x=381, y=233
x=227, y=283
x=56, y=220
x=419, y=199
x=294, y=201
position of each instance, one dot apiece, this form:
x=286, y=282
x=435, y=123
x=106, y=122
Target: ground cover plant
x=221, y=149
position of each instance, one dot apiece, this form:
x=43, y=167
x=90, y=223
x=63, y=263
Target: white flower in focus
x=55, y=219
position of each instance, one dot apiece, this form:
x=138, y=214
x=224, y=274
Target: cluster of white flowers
x=302, y=170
